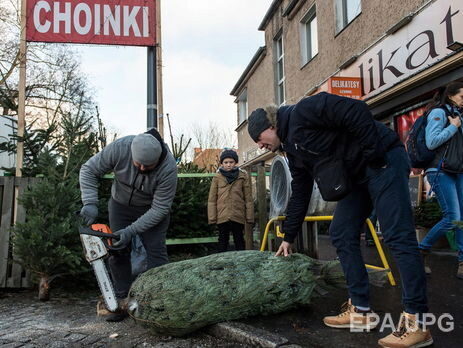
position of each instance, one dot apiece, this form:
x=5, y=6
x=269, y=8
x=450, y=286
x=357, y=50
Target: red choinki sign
x=110, y=22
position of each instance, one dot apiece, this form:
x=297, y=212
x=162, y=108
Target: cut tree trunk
x=44, y=288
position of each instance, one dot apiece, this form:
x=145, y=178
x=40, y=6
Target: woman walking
x=444, y=134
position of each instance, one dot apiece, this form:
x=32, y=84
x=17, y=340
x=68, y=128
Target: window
x=279, y=70
x=346, y=11
x=309, y=36
x=243, y=107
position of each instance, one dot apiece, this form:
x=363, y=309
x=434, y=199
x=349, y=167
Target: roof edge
x=254, y=60
x=273, y=7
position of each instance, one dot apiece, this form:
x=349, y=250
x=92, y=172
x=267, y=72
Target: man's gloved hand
x=89, y=213
x=125, y=237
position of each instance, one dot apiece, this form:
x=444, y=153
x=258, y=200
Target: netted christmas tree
x=178, y=298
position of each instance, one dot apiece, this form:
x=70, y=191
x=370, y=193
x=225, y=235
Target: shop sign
x=124, y=22
x=345, y=86
x=415, y=47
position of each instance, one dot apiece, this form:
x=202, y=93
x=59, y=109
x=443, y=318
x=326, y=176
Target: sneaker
x=352, y=318
x=408, y=334
x=425, y=254
x=460, y=270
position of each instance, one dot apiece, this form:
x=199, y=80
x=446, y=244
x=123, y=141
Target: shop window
x=309, y=36
x=279, y=70
x=346, y=11
x=243, y=107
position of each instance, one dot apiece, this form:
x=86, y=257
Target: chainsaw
x=96, y=240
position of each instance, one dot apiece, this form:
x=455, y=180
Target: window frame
x=305, y=42
x=342, y=5
x=242, y=99
x=279, y=61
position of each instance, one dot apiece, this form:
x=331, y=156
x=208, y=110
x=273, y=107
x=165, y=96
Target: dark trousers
x=224, y=235
x=153, y=240
x=385, y=190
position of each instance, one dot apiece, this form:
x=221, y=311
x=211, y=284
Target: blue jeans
x=385, y=190
x=449, y=192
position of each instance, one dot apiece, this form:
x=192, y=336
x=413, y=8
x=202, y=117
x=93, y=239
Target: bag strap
x=441, y=162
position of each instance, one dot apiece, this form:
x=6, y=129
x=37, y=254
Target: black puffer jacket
x=319, y=126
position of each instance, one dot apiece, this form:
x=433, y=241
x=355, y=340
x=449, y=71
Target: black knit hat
x=228, y=154
x=257, y=123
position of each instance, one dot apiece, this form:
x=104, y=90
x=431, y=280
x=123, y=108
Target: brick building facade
x=399, y=50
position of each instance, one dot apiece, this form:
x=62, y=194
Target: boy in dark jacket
x=316, y=128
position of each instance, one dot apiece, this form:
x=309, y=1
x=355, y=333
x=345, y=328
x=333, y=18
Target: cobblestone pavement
x=67, y=321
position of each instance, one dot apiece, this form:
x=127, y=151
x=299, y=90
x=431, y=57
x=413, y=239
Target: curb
x=247, y=334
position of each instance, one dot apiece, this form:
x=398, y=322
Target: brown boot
x=425, y=254
x=460, y=270
x=408, y=334
x=352, y=318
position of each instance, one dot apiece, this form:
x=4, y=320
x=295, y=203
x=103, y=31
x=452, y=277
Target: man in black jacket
x=377, y=164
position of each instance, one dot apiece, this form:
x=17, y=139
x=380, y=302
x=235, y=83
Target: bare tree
x=212, y=136
x=178, y=147
x=55, y=84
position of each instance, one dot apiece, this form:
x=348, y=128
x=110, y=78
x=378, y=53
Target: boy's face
x=228, y=164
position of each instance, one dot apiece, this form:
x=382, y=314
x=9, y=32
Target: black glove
x=89, y=213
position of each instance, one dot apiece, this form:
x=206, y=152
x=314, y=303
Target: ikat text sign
x=109, y=22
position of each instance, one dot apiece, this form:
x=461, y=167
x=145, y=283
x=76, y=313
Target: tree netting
x=178, y=298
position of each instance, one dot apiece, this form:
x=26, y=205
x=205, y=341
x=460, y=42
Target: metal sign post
x=152, y=107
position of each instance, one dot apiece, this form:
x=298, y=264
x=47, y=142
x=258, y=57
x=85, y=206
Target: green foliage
x=189, y=209
x=48, y=242
x=428, y=213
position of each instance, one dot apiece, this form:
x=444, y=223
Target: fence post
x=261, y=189
x=7, y=209
x=248, y=229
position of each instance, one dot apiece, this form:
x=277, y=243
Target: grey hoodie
x=131, y=188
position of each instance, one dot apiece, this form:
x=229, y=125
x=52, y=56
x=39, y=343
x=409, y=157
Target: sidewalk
x=304, y=326
x=70, y=320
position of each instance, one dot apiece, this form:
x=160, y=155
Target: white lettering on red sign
x=129, y=22
x=345, y=84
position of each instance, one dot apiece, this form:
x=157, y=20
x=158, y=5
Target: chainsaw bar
x=105, y=284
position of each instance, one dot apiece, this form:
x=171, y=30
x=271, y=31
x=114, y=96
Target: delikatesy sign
x=109, y=22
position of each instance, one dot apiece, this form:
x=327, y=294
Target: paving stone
x=12, y=345
x=17, y=336
x=73, y=323
x=74, y=337
x=90, y=340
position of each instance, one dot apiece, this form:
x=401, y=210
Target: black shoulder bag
x=332, y=177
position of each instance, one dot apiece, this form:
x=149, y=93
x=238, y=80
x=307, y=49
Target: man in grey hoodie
x=144, y=186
